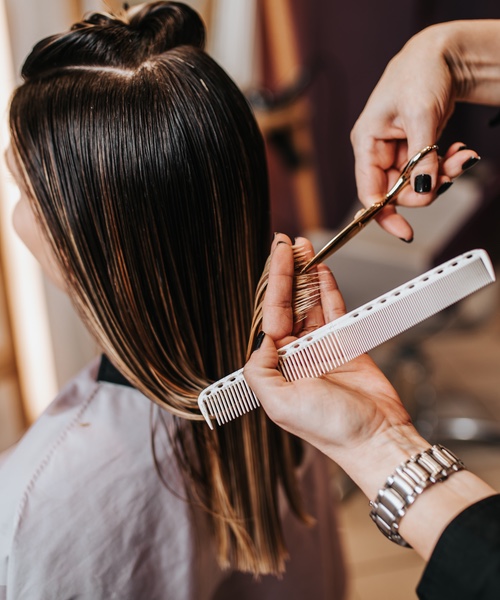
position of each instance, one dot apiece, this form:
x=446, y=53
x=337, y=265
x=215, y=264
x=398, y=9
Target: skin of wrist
x=440, y=47
x=437, y=506
x=471, y=50
x=371, y=461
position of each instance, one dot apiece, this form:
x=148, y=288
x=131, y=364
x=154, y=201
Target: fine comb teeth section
x=357, y=332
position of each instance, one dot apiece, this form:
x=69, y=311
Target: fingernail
x=470, y=162
x=406, y=241
x=258, y=340
x=423, y=183
x=443, y=187
x=462, y=148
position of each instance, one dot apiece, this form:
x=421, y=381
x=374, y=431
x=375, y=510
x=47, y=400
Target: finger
x=455, y=148
x=375, y=174
x=390, y=220
x=332, y=301
x=421, y=132
x=304, y=246
x=279, y=237
x=458, y=160
x=266, y=381
x=314, y=317
x=373, y=158
x=277, y=314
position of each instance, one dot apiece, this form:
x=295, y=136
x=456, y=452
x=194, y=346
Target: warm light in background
x=23, y=277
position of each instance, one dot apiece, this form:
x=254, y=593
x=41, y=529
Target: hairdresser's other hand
x=345, y=414
x=407, y=111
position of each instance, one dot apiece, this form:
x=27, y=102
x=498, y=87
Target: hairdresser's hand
x=346, y=414
x=407, y=111
x=354, y=414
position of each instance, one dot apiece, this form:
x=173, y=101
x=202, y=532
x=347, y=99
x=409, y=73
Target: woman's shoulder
x=86, y=415
x=90, y=438
x=91, y=491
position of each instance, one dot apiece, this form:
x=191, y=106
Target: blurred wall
x=71, y=346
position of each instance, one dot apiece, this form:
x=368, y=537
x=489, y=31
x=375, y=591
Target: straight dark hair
x=147, y=173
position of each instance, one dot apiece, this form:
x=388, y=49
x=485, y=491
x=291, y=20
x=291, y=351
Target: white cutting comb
x=357, y=332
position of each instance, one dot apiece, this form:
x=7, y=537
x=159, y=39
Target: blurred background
x=307, y=67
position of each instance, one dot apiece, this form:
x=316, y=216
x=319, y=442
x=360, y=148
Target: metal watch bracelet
x=408, y=481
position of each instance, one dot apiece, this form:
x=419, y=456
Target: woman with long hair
x=144, y=196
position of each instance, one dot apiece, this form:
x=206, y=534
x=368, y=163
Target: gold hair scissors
x=365, y=216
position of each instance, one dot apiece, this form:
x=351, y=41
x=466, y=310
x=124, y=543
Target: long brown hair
x=147, y=173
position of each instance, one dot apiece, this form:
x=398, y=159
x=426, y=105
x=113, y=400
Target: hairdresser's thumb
x=264, y=379
x=264, y=355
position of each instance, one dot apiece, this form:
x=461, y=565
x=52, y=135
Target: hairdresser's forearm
x=370, y=463
x=471, y=50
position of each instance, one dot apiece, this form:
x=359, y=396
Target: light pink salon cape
x=83, y=514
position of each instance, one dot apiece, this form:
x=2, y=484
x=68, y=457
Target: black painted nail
x=462, y=148
x=470, y=162
x=423, y=183
x=406, y=241
x=443, y=187
x=258, y=341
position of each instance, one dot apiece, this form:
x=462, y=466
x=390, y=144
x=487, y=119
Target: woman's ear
x=28, y=229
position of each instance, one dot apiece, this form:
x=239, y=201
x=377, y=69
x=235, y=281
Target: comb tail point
x=487, y=263
x=204, y=412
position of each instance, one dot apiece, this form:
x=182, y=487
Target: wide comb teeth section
x=227, y=399
x=357, y=332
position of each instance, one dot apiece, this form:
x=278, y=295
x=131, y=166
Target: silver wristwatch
x=408, y=481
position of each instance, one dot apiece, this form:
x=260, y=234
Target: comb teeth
x=357, y=332
x=227, y=399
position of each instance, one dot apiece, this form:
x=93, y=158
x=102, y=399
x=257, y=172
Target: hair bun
x=167, y=25
x=142, y=32
x=96, y=19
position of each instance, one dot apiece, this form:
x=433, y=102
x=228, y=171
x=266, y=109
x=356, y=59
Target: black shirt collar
x=109, y=373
